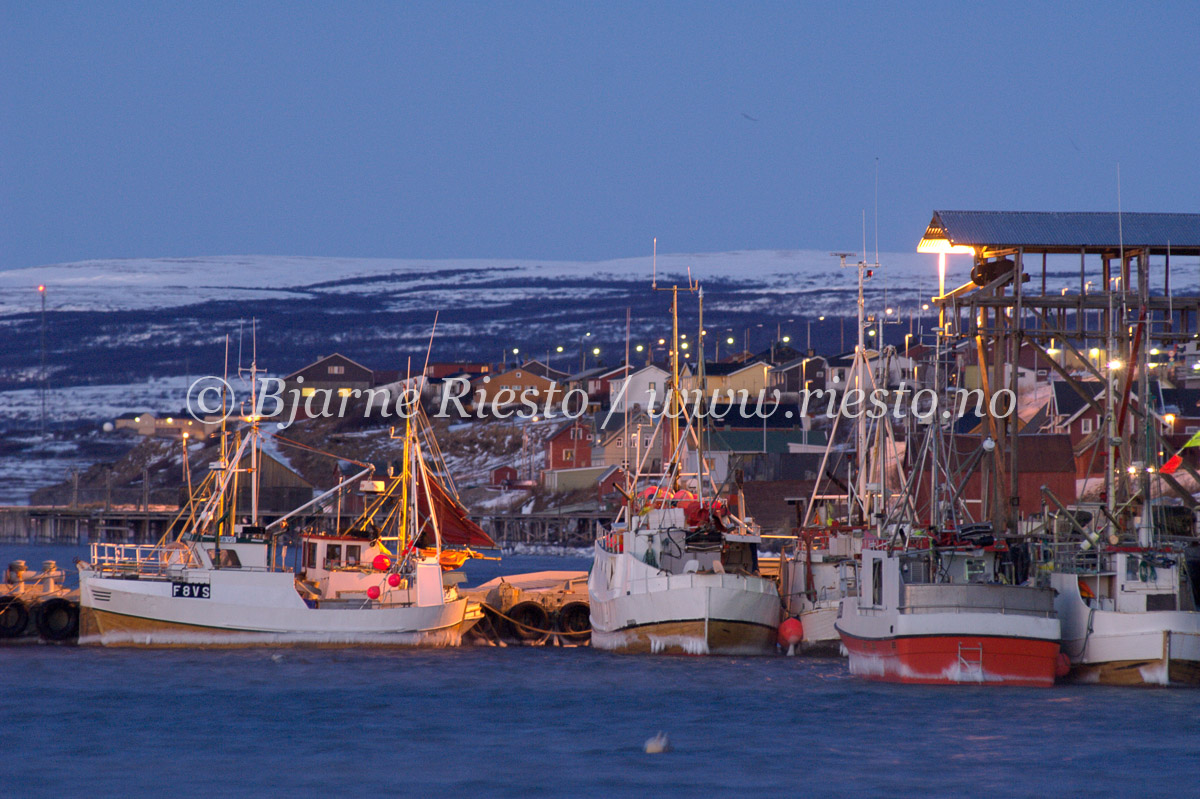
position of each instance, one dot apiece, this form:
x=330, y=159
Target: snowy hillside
x=159, y=283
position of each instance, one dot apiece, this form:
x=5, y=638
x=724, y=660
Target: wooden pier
x=34, y=524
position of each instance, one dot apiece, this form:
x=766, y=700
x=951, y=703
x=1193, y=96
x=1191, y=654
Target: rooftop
x=1043, y=231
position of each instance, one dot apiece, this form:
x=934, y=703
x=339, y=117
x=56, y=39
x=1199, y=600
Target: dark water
x=554, y=722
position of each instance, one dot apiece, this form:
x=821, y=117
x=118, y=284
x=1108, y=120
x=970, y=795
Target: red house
x=570, y=447
x=613, y=478
x=1046, y=460
x=504, y=476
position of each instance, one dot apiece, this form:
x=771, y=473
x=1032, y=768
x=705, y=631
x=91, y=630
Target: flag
x=1175, y=461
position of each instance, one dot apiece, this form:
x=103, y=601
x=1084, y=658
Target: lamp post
x=943, y=247
x=582, y=352
x=808, y=344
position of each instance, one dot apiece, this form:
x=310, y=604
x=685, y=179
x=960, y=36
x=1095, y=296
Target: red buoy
x=381, y=563
x=791, y=632
x=373, y=592
x=1062, y=666
x=393, y=580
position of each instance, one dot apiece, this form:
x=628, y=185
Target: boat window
x=353, y=554
x=333, y=556
x=877, y=582
x=310, y=554
x=975, y=568
x=225, y=559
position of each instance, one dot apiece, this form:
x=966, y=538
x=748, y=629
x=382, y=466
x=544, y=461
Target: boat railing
x=1067, y=557
x=140, y=559
x=951, y=608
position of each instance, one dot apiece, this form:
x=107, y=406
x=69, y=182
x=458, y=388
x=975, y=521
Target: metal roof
x=1067, y=231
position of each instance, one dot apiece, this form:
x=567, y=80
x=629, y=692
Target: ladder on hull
x=970, y=662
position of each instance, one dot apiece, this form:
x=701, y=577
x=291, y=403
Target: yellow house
x=509, y=388
x=752, y=377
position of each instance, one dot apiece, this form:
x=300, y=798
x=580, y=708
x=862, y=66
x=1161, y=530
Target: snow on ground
x=157, y=283
x=94, y=403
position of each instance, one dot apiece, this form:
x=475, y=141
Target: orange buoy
x=1062, y=666
x=791, y=632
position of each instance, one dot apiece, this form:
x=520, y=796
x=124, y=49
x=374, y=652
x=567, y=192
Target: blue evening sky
x=572, y=129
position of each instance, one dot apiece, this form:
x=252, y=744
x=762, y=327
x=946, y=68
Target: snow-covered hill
x=159, y=283
x=117, y=328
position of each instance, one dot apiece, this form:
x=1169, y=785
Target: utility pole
x=43, y=380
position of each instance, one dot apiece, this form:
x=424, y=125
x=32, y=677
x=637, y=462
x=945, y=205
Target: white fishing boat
x=220, y=583
x=678, y=572
x=662, y=585
x=816, y=571
x=1128, y=614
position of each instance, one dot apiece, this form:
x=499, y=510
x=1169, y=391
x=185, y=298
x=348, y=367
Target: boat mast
x=674, y=406
x=860, y=359
x=700, y=426
x=255, y=441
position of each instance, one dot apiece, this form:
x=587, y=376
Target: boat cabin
x=248, y=548
x=1130, y=582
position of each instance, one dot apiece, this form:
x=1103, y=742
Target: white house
x=646, y=389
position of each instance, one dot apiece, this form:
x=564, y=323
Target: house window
x=307, y=392
x=337, y=370
x=1191, y=429
x=653, y=386
x=568, y=455
x=620, y=443
x=345, y=392
x=821, y=373
x=518, y=375
x=1086, y=426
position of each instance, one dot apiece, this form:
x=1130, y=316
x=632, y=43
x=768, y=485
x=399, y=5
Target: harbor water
x=553, y=722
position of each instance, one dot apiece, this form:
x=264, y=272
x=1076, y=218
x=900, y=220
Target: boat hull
x=821, y=637
x=693, y=637
x=638, y=609
x=143, y=613
x=954, y=659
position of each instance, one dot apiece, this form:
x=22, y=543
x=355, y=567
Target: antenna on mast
x=876, y=210
x=654, y=265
